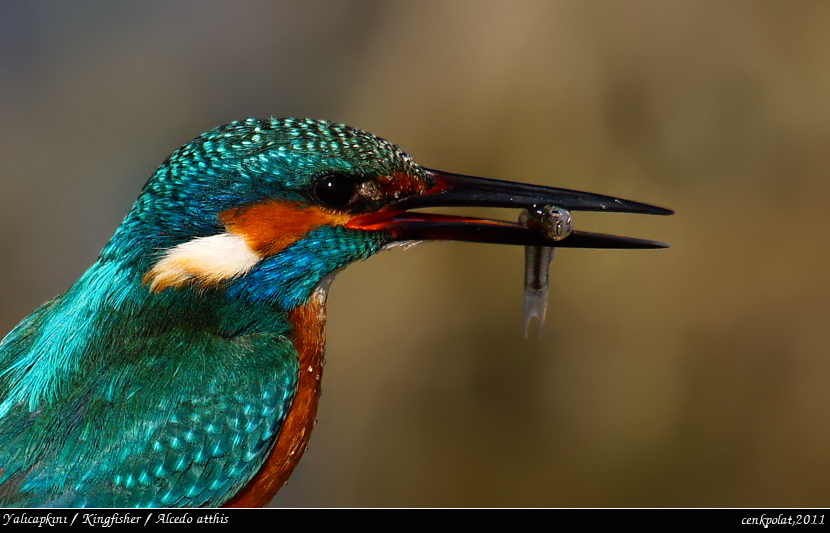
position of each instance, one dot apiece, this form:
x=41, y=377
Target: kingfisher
x=183, y=368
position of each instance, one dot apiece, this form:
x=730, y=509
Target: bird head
x=265, y=209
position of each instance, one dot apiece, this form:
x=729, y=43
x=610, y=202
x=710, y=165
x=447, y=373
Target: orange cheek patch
x=272, y=226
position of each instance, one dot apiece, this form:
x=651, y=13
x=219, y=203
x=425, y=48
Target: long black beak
x=456, y=190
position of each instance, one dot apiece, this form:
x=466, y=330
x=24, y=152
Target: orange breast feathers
x=309, y=337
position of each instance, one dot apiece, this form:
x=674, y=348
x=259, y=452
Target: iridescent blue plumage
x=301, y=267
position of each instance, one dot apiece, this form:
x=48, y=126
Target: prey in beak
x=544, y=225
x=456, y=190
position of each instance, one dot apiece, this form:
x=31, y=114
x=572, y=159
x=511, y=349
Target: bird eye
x=335, y=190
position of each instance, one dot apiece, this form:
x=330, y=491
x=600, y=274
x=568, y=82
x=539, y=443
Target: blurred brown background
x=695, y=376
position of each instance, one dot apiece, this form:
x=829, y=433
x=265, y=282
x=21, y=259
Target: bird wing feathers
x=183, y=420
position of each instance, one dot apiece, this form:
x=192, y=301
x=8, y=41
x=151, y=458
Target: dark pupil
x=335, y=190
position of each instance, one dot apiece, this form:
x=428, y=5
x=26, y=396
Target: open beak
x=456, y=190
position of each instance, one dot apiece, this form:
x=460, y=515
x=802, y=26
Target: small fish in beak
x=555, y=223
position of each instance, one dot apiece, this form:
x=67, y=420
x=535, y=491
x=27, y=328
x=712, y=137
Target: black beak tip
x=629, y=206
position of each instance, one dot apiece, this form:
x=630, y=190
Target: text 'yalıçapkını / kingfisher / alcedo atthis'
x=183, y=369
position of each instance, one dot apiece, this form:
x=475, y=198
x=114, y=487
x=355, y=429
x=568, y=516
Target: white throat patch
x=204, y=260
